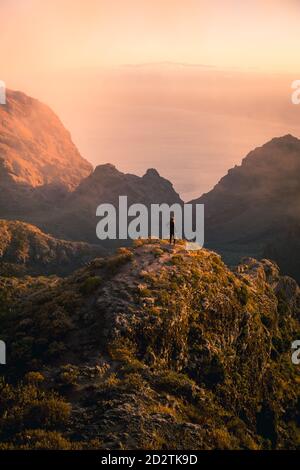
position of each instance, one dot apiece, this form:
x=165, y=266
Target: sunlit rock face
x=35, y=146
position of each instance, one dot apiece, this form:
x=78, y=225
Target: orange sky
x=232, y=93
x=40, y=34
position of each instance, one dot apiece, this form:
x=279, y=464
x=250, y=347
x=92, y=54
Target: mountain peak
x=288, y=138
x=152, y=172
x=280, y=151
x=106, y=168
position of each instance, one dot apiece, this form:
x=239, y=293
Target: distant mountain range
x=253, y=211
x=76, y=216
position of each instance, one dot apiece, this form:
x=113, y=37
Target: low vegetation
x=154, y=348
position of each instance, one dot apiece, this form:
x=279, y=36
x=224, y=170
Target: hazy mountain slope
x=24, y=249
x=22, y=201
x=76, y=217
x=256, y=203
x=153, y=348
x=35, y=146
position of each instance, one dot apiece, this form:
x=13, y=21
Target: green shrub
x=54, y=324
x=69, y=375
x=213, y=372
x=38, y=439
x=122, y=349
x=90, y=285
x=29, y=407
x=34, y=377
x=243, y=294
x=133, y=382
x=175, y=383
x=50, y=413
x=114, y=263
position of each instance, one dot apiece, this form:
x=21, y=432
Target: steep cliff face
x=35, y=146
x=155, y=348
x=257, y=204
x=24, y=249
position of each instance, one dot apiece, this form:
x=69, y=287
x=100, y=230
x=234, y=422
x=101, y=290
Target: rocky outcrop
x=156, y=348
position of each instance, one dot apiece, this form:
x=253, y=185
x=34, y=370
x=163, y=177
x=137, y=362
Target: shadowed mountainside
x=255, y=209
x=76, y=219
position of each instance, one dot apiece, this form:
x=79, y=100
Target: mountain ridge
x=153, y=348
x=77, y=218
x=25, y=249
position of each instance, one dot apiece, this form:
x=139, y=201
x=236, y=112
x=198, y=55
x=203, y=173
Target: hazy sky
x=186, y=86
x=79, y=33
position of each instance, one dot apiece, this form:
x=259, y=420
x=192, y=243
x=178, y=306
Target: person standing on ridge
x=172, y=230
